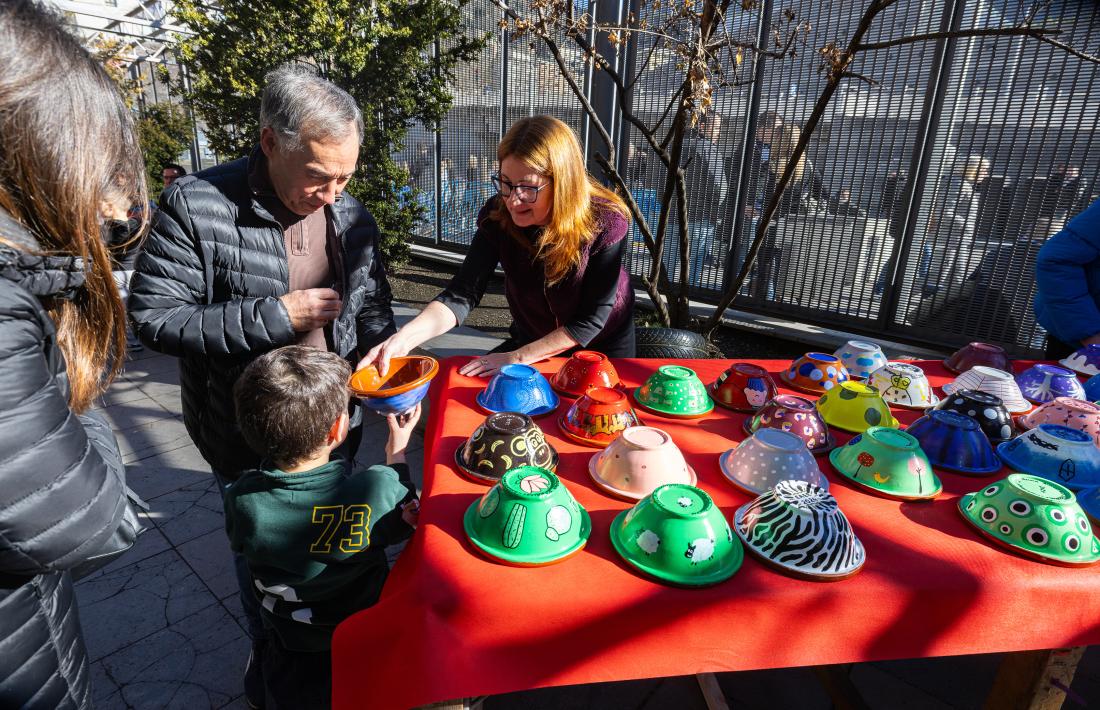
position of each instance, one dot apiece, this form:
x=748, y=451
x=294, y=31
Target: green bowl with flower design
x=888, y=462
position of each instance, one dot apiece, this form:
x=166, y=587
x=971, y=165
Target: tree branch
x=1069, y=50
x=957, y=34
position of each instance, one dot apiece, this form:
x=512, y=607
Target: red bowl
x=978, y=354
x=597, y=418
x=587, y=368
x=744, y=387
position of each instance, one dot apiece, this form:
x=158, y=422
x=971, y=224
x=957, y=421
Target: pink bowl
x=641, y=460
x=1073, y=413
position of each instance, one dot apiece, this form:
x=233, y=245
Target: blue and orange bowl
x=518, y=388
x=815, y=373
x=400, y=389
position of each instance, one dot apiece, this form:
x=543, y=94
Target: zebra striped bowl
x=799, y=529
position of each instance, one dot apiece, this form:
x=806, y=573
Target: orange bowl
x=404, y=384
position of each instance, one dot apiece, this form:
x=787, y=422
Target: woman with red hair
x=559, y=237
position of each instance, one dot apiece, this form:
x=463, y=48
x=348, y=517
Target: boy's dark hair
x=288, y=399
x=174, y=166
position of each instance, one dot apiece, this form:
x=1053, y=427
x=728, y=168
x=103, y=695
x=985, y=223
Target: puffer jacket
x=206, y=289
x=62, y=486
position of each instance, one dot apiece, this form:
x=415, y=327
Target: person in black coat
x=62, y=340
x=259, y=253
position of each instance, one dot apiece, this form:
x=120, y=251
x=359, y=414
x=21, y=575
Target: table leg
x=1034, y=680
x=463, y=704
x=712, y=692
x=838, y=684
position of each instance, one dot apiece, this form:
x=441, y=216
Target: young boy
x=312, y=526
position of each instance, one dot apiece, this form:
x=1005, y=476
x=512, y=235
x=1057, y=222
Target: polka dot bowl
x=855, y=407
x=768, y=457
x=860, y=358
x=815, y=373
x=1034, y=517
x=986, y=409
x=678, y=535
x=797, y=415
x=674, y=391
x=1056, y=453
x=889, y=463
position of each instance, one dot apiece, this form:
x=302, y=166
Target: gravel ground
x=419, y=281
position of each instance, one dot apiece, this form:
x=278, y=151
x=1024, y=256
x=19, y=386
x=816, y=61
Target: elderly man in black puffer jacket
x=260, y=253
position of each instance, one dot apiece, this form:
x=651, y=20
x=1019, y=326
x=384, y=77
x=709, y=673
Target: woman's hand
x=380, y=355
x=488, y=365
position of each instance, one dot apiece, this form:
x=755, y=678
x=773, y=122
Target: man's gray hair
x=299, y=105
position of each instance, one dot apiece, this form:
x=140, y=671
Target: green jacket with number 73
x=315, y=542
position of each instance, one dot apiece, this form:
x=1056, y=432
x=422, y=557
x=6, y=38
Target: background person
x=952, y=227
x=62, y=340
x=256, y=254
x=1067, y=272
x=170, y=173
x=560, y=238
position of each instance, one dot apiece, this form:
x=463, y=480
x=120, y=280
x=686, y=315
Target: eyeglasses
x=526, y=193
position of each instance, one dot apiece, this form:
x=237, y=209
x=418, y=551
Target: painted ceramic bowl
x=1092, y=388
x=587, y=368
x=639, y=462
x=796, y=415
x=404, y=384
x=1056, y=453
x=598, y=417
x=904, y=385
x=799, y=529
x=854, y=406
x=744, y=387
x=989, y=411
x=1042, y=383
x=975, y=354
x=860, y=358
x=529, y=518
x=1073, y=413
x=678, y=535
x=1089, y=501
x=889, y=462
x=1034, y=517
x=505, y=440
x=1086, y=361
x=955, y=442
x=674, y=391
x=768, y=457
x=815, y=373
x=518, y=388
x=995, y=382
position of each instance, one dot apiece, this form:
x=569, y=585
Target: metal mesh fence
x=924, y=195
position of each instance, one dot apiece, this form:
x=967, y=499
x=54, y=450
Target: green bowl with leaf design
x=528, y=519
x=674, y=391
x=677, y=534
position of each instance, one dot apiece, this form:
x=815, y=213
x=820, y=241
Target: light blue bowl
x=518, y=388
x=1057, y=453
x=398, y=403
x=1089, y=501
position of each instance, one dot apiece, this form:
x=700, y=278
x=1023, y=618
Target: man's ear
x=339, y=430
x=268, y=141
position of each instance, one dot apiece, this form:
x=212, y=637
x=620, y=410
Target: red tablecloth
x=452, y=624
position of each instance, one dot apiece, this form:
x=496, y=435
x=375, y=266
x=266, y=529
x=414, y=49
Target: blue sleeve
x=1062, y=273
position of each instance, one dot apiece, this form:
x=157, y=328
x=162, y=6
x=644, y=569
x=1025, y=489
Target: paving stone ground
x=164, y=628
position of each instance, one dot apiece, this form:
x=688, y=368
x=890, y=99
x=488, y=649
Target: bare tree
x=708, y=58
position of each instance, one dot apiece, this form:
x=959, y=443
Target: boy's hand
x=410, y=512
x=401, y=429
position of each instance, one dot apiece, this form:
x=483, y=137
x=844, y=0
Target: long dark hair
x=67, y=149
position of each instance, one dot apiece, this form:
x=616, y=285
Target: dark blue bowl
x=955, y=442
x=398, y=403
x=1089, y=500
x=518, y=388
x=1092, y=388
